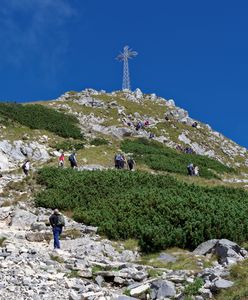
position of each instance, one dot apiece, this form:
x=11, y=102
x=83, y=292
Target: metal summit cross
x=124, y=56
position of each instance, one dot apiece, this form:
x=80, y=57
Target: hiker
x=179, y=148
x=139, y=125
x=73, y=160
x=131, y=163
x=188, y=150
x=151, y=135
x=117, y=161
x=147, y=123
x=57, y=222
x=62, y=160
x=26, y=167
x=195, y=124
x=190, y=169
x=196, y=171
x=122, y=161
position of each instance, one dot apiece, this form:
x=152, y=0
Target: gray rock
x=141, y=289
x=170, y=103
x=74, y=296
x=38, y=226
x=225, y=248
x=127, y=255
x=23, y=219
x=99, y=280
x=223, y=284
x=205, y=293
x=161, y=289
x=167, y=257
x=138, y=94
x=123, y=297
x=205, y=247
x=153, y=97
x=38, y=236
x=119, y=280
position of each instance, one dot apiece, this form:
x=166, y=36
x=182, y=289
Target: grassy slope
x=156, y=110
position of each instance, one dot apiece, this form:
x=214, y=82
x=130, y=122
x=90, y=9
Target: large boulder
x=225, y=248
x=221, y=284
x=139, y=290
x=138, y=94
x=161, y=289
x=38, y=236
x=23, y=218
x=227, y=251
x=206, y=247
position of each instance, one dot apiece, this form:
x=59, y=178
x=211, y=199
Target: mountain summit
x=182, y=192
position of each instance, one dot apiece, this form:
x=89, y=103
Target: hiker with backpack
x=117, y=160
x=26, y=167
x=122, y=161
x=62, y=160
x=73, y=160
x=131, y=163
x=139, y=125
x=57, y=222
x=190, y=169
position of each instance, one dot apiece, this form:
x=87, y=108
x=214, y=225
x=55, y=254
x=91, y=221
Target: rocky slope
x=89, y=266
x=114, y=117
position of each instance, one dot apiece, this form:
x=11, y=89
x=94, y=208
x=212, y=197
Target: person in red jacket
x=62, y=160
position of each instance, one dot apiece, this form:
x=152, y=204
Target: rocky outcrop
x=227, y=252
x=90, y=267
x=14, y=153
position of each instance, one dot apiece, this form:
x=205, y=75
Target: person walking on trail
x=122, y=161
x=26, y=167
x=73, y=160
x=62, y=160
x=131, y=163
x=196, y=171
x=118, y=158
x=57, y=222
x=190, y=169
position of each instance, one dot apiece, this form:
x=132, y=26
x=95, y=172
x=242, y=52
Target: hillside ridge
x=155, y=207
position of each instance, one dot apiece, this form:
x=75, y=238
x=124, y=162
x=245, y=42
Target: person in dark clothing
x=73, y=160
x=118, y=158
x=195, y=124
x=131, y=163
x=190, y=169
x=57, y=222
x=122, y=161
x=139, y=125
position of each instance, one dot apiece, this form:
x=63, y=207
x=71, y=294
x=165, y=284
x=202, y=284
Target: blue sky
x=195, y=52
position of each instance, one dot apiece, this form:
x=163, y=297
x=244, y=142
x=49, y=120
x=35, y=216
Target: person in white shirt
x=26, y=167
x=196, y=171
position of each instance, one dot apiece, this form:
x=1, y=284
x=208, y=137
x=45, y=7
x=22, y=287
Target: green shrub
x=68, y=145
x=157, y=210
x=193, y=288
x=40, y=117
x=99, y=142
x=162, y=158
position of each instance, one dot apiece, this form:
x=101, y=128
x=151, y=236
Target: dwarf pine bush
x=37, y=116
x=162, y=158
x=157, y=210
